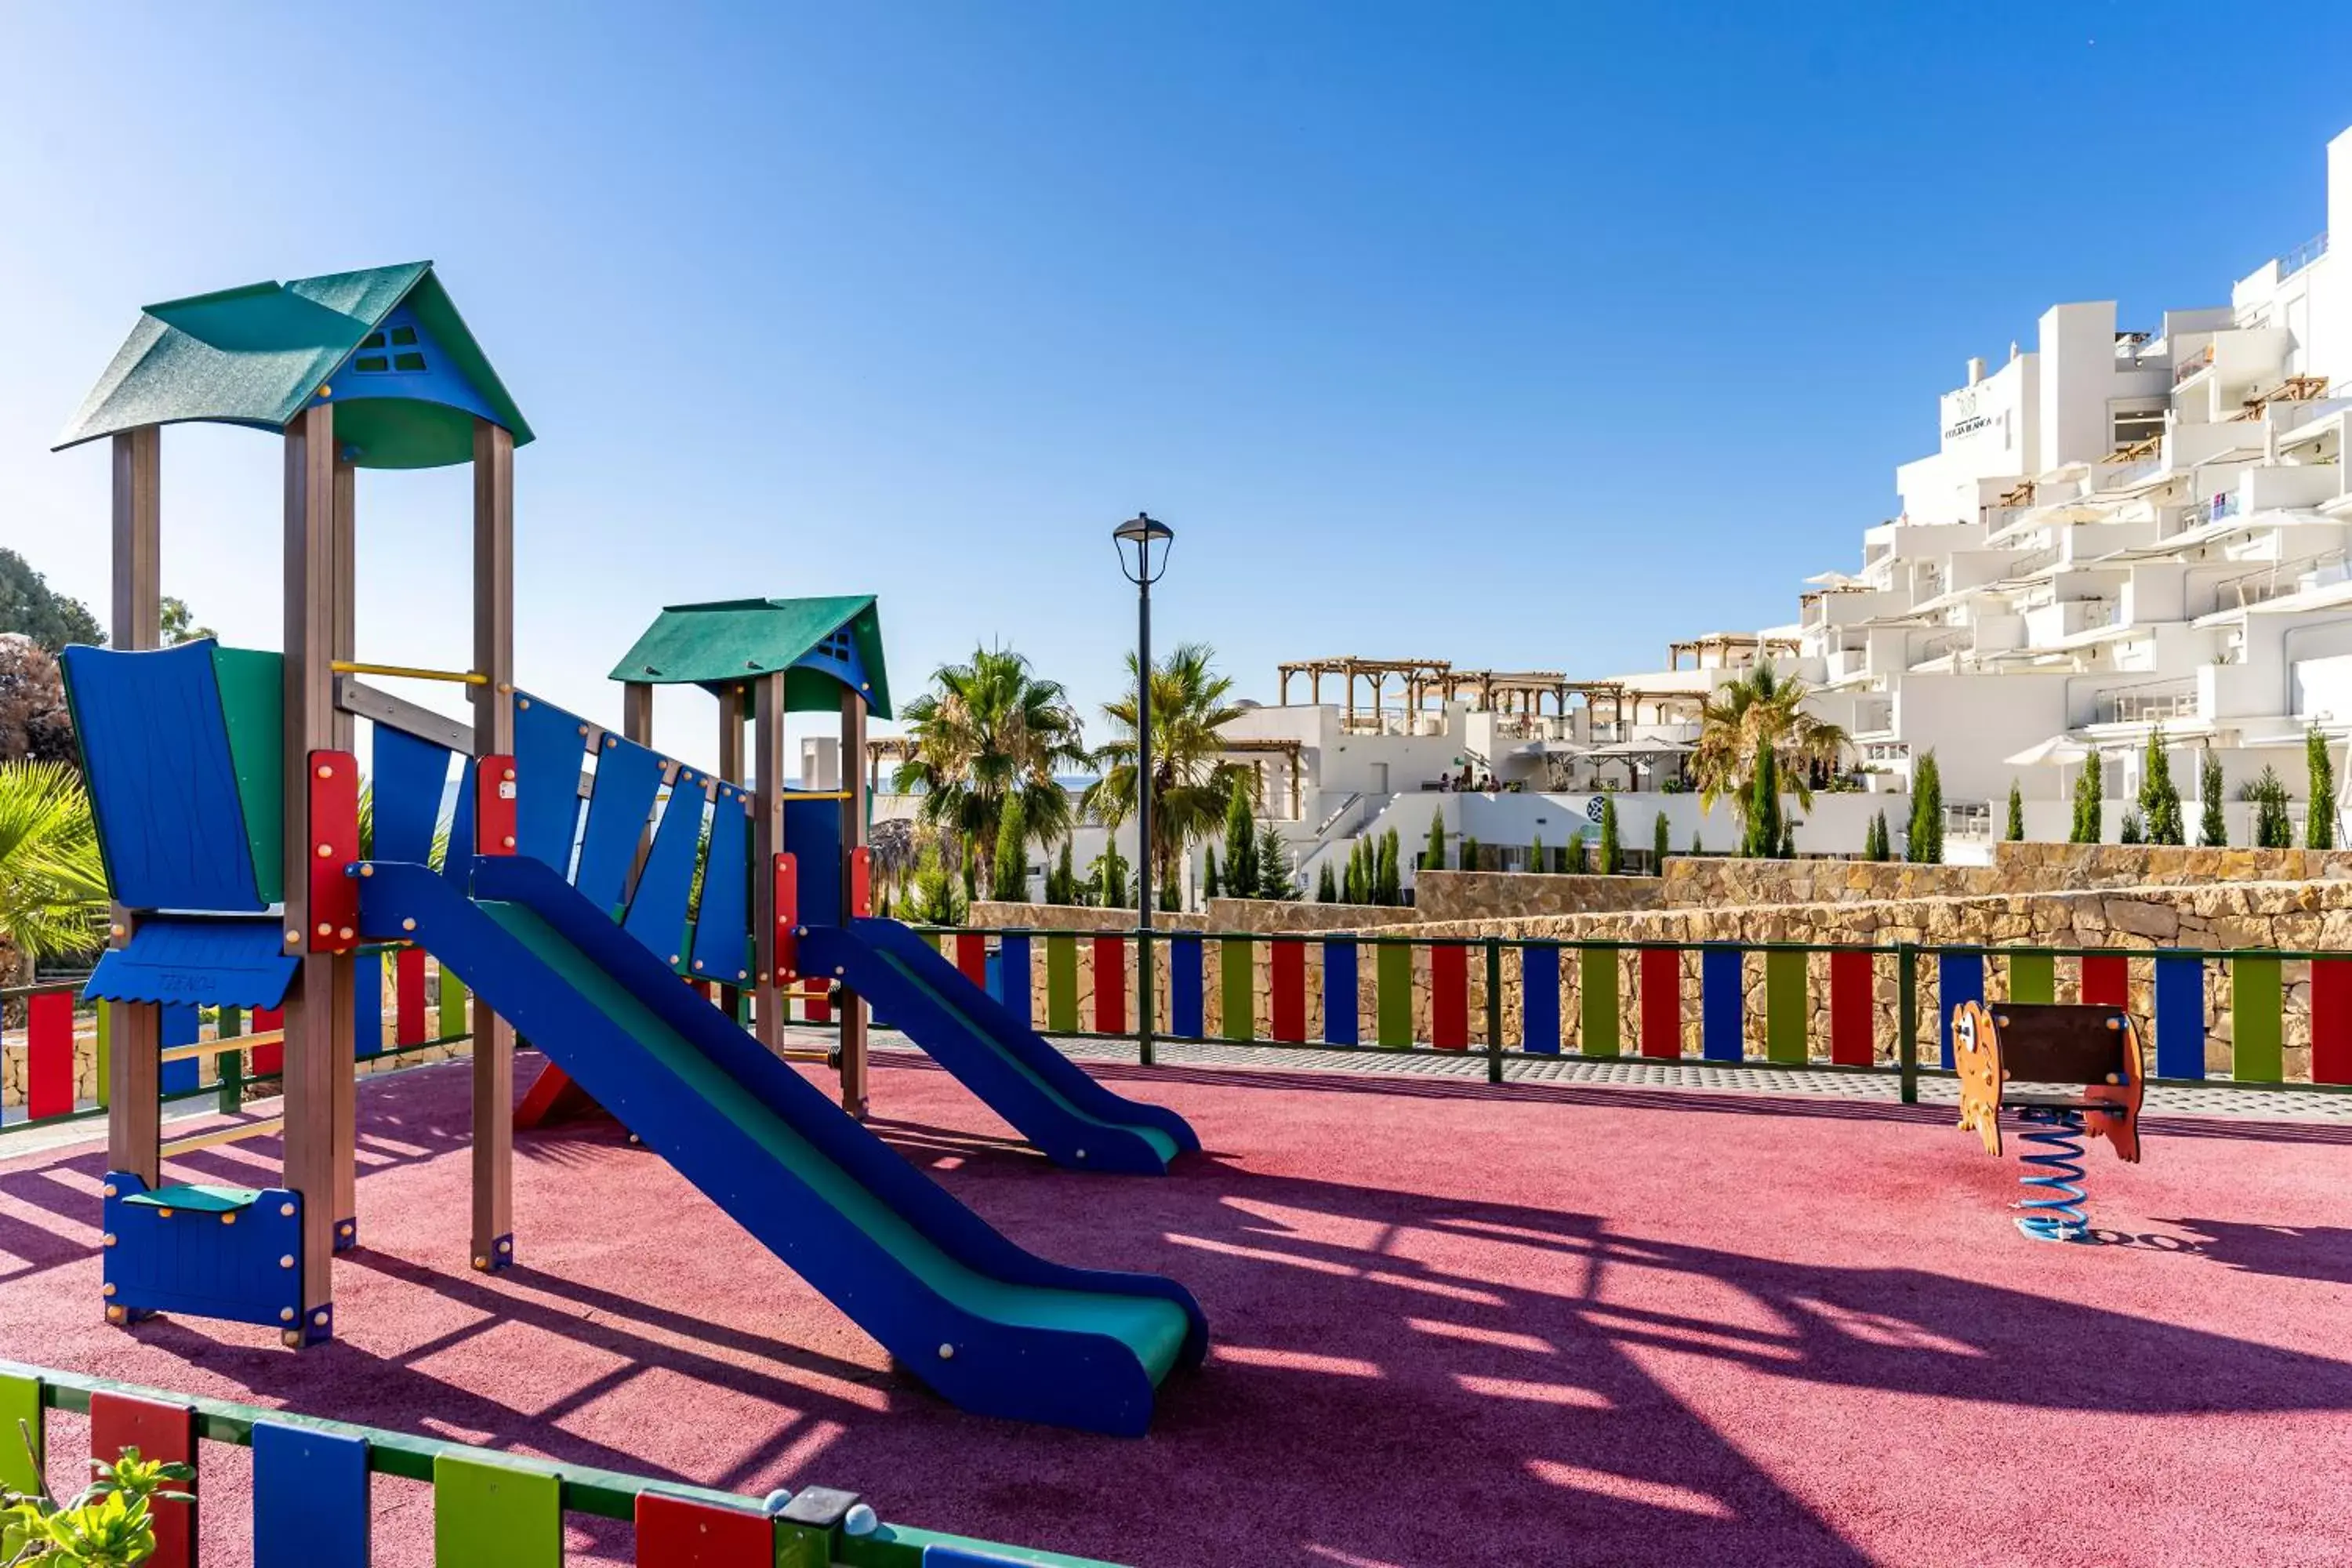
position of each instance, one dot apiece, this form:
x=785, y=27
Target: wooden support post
x=344, y=545
x=767, y=842
x=312, y=1002
x=637, y=724
x=493, y=1228
x=853, y=836
x=135, y=1030
x=731, y=770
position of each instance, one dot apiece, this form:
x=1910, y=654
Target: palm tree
x=53, y=896
x=1192, y=781
x=988, y=730
x=1761, y=711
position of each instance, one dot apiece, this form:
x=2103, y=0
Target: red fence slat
x=816, y=1004
x=408, y=997
x=1662, y=1002
x=1449, y=997
x=1287, y=964
x=2106, y=980
x=1111, y=985
x=49, y=1074
x=2331, y=1020
x=263, y=1060
x=1850, y=1008
x=159, y=1431
x=972, y=958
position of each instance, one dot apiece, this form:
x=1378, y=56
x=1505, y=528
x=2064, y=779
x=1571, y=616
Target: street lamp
x=1143, y=542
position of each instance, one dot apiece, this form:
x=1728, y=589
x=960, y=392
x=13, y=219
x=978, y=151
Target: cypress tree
x=1924, y=844
x=1388, y=873
x=1762, y=839
x=1612, y=854
x=1571, y=854
x=1788, y=840
x=2131, y=832
x=1275, y=881
x=1062, y=885
x=1211, y=887
x=1659, y=846
x=971, y=874
x=1433, y=853
x=2089, y=791
x=1110, y=876
x=2212, y=822
x=1470, y=853
x=2319, y=821
x=1241, y=844
x=1357, y=881
x=1874, y=837
x=1536, y=855
x=1008, y=878
x=2159, y=799
x=2271, y=829
x=1697, y=847
x=2016, y=830
x=1326, y=889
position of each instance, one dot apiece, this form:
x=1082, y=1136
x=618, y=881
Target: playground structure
x=2029, y=1057
x=585, y=877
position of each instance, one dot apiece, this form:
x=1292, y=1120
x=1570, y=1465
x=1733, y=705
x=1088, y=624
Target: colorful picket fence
x=311, y=1493
x=1810, y=1007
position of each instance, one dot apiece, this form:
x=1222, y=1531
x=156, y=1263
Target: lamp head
x=1143, y=542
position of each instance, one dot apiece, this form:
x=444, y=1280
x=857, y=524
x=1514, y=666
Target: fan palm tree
x=988, y=730
x=1762, y=710
x=53, y=896
x=1191, y=779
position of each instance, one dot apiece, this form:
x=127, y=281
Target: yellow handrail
x=411, y=672
x=276, y=1124
x=223, y=1045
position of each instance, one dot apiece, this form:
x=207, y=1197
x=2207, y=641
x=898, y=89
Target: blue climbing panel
x=1342, y=1010
x=2179, y=1017
x=628, y=781
x=1184, y=1006
x=657, y=912
x=162, y=786
x=550, y=751
x=1722, y=1030
x=310, y=1497
x=1540, y=999
x=405, y=791
x=813, y=833
x=722, y=923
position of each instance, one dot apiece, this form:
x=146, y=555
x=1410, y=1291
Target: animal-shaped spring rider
x=2065, y=1071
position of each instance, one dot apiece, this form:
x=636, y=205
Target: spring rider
x=2066, y=1071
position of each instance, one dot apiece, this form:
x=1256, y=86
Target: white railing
x=2303, y=255
x=1968, y=819
x=2148, y=704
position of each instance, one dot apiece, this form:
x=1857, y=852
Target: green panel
x=2032, y=977
x=1237, y=990
x=20, y=1401
x=1596, y=1001
x=1393, y=973
x=453, y=1003
x=491, y=1515
x=933, y=940
x=1784, y=1007
x=1062, y=984
x=253, y=701
x=2257, y=1020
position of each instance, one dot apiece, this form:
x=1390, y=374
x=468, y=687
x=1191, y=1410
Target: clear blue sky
x=1529, y=334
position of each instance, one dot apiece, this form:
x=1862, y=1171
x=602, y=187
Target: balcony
x=2153, y=704
x=2195, y=364
x=2303, y=255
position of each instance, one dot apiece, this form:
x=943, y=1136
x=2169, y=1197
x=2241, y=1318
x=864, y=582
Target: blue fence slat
x=550, y=752
x=1342, y=1015
x=405, y=794
x=1184, y=968
x=1540, y=1000
x=459, y=857
x=2179, y=1018
x=657, y=912
x=179, y=1028
x=628, y=781
x=367, y=1004
x=1013, y=975
x=1959, y=977
x=1722, y=1023
x=722, y=923
x=310, y=1497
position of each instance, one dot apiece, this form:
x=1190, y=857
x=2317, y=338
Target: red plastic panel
x=334, y=845
x=2331, y=1020
x=972, y=958
x=1449, y=997
x=1286, y=962
x=1111, y=985
x=494, y=806
x=2106, y=980
x=49, y=1070
x=264, y=1061
x=158, y=1431
x=408, y=996
x=785, y=875
x=861, y=882
x=817, y=1006
x=1851, y=1024
x=1662, y=1002
x=673, y=1532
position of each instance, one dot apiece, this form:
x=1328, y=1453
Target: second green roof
x=821, y=644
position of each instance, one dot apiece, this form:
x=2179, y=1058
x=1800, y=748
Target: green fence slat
x=1062, y=984
x=2032, y=977
x=492, y=1515
x=1394, y=972
x=20, y=1400
x=1237, y=990
x=1596, y=1001
x=452, y=1018
x=1785, y=1008
x=2257, y=1020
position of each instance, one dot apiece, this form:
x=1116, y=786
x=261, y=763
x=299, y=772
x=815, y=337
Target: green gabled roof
x=256, y=355
x=723, y=644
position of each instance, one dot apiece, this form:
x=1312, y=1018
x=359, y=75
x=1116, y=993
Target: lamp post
x=1143, y=543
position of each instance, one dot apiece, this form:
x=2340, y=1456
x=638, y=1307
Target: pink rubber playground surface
x=1452, y=1324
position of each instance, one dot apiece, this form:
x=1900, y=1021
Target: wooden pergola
x=1724, y=643
x=1510, y=691
x=1421, y=677
x=1290, y=751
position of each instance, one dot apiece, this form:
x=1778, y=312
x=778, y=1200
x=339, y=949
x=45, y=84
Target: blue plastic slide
x=1048, y=1098
x=994, y=1329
